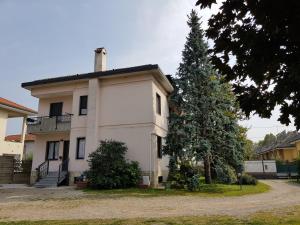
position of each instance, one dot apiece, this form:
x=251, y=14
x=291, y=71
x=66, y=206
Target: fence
x=14, y=171
x=261, y=168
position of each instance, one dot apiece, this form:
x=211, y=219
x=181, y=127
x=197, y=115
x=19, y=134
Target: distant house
x=9, y=109
x=76, y=112
x=28, y=143
x=287, y=149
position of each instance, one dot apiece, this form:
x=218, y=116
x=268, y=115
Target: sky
x=49, y=38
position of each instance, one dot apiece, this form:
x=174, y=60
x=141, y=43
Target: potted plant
x=82, y=182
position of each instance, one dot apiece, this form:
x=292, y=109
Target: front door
x=56, y=109
x=65, y=155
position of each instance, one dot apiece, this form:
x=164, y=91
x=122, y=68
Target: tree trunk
x=207, y=170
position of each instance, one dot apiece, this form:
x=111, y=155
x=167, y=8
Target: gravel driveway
x=66, y=203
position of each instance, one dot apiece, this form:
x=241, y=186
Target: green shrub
x=226, y=174
x=109, y=168
x=194, y=183
x=181, y=178
x=247, y=179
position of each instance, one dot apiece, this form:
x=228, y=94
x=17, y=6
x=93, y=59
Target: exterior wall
x=39, y=149
x=44, y=104
x=7, y=147
x=28, y=149
x=285, y=154
x=122, y=109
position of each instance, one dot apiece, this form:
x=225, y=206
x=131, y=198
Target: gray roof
x=286, y=142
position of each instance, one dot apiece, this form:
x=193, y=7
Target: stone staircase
x=51, y=180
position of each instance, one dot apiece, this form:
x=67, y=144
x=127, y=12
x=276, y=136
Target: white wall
x=257, y=166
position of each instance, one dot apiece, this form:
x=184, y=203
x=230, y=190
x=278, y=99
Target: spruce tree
x=198, y=85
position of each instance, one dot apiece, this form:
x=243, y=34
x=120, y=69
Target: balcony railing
x=48, y=124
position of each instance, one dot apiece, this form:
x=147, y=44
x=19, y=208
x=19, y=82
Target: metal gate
x=287, y=169
x=6, y=169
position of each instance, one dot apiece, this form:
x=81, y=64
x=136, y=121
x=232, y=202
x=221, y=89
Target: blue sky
x=41, y=39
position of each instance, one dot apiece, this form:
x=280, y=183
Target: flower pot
x=81, y=184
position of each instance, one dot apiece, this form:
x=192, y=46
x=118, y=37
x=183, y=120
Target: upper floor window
x=56, y=109
x=80, y=152
x=158, y=104
x=83, y=105
x=52, y=150
x=159, y=147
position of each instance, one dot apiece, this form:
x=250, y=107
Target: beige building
x=9, y=109
x=76, y=112
x=286, y=150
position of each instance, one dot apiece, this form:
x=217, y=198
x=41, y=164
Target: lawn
x=284, y=217
x=212, y=190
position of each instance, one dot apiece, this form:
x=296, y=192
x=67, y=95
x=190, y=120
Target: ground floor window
x=52, y=150
x=80, y=148
x=159, y=147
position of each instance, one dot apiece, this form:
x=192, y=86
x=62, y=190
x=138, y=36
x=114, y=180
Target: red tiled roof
x=17, y=137
x=6, y=102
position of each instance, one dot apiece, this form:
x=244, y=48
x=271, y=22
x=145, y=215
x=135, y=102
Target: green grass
x=212, y=190
x=283, y=217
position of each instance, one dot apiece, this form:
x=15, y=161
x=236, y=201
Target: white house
x=76, y=112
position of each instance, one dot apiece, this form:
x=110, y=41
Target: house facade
x=76, y=112
x=287, y=150
x=28, y=143
x=9, y=109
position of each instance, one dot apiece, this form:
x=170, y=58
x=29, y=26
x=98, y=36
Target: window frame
x=80, y=105
x=60, y=105
x=77, y=147
x=54, y=155
x=158, y=104
x=159, y=146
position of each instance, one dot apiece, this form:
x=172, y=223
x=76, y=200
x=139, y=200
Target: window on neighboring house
x=83, y=105
x=159, y=147
x=158, y=104
x=52, y=150
x=80, y=148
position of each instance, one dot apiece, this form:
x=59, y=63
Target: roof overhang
x=154, y=69
x=15, y=112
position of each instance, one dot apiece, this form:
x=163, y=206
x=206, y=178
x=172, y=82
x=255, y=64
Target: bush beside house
x=109, y=168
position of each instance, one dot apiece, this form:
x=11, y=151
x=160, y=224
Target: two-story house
x=9, y=109
x=76, y=112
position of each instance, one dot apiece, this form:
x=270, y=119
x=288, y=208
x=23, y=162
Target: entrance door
x=65, y=155
x=56, y=109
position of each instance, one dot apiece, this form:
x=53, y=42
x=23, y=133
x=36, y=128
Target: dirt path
x=282, y=195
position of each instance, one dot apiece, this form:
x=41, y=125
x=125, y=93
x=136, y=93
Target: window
x=52, y=150
x=159, y=147
x=80, y=148
x=83, y=105
x=158, y=104
x=56, y=109
x=160, y=179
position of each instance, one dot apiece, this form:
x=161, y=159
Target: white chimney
x=100, y=59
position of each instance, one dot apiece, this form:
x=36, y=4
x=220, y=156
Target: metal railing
x=49, y=123
x=42, y=170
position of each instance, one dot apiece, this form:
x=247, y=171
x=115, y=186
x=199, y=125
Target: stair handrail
x=63, y=167
x=42, y=170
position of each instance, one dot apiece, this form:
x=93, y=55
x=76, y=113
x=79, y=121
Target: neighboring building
x=28, y=143
x=287, y=149
x=76, y=112
x=9, y=109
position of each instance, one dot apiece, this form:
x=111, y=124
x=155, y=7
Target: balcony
x=46, y=124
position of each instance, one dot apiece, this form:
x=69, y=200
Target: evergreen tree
x=198, y=87
x=210, y=112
